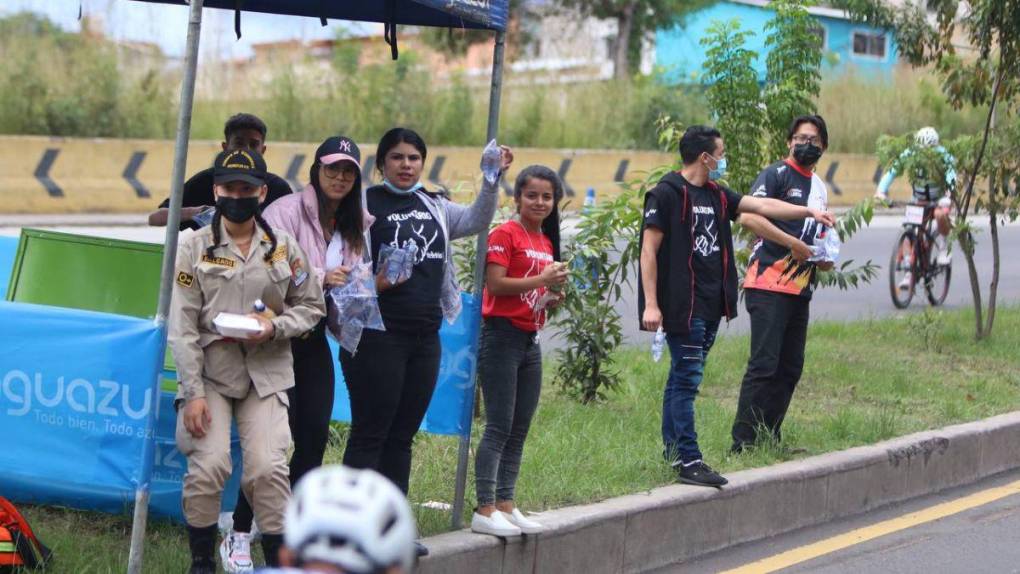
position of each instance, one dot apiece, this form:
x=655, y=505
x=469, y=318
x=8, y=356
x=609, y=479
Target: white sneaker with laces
x=527, y=526
x=905, y=283
x=235, y=553
x=496, y=525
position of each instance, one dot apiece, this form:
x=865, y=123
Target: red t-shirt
x=524, y=254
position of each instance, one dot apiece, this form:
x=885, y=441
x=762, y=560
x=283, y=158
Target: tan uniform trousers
x=265, y=439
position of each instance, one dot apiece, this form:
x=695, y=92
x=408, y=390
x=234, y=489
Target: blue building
x=847, y=45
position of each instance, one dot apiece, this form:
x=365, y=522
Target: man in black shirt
x=779, y=284
x=242, y=131
x=688, y=280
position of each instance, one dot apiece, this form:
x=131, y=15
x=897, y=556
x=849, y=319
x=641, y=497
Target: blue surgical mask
x=399, y=191
x=720, y=169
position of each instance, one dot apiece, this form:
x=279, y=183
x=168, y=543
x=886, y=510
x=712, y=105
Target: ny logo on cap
x=345, y=145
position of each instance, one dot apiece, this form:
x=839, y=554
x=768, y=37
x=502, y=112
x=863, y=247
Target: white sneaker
x=527, y=526
x=944, y=257
x=235, y=553
x=905, y=283
x=497, y=525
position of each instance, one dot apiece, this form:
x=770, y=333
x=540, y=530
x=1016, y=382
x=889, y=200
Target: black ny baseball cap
x=239, y=165
x=338, y=148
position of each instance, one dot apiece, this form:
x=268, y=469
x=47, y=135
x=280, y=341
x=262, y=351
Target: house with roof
x=847, y=46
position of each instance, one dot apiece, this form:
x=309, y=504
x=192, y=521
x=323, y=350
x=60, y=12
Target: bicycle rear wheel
x=901, y=264
x=936, y=278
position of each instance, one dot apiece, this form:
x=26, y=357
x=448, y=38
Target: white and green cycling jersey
x=919, y=179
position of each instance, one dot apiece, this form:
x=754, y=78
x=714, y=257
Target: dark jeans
x=687, y=366
x=311, y=405
x=390, y=380
x=510, y=373
x=778, y=335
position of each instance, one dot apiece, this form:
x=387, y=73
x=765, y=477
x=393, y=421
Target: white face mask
x=399, y=191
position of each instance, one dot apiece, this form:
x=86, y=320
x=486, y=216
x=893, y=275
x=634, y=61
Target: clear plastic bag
x=826, y=247
x=491, y=162
x=398, y=262
x=353, y=307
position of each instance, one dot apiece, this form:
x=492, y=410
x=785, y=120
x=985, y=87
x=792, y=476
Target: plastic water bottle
x=658, y=342
x=205, y=217
x=491, y=162
x=580, y=263
x=260, y=308
x=589, y=200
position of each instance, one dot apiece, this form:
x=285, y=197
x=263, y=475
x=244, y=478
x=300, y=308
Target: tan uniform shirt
x=229, y=282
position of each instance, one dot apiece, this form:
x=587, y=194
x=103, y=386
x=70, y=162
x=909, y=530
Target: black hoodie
x=676, y=279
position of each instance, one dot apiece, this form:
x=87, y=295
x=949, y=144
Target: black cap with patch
x=239, y=165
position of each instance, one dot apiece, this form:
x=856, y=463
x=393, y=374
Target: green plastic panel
x=91, y=273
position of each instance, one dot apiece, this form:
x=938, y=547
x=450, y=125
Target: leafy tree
x=792, y=78
x=990, y=78
x=635, y=19
x=747, y=114
x=735, y=100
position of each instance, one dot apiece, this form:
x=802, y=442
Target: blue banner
x=450, y=409
x=492, y=14
x=76, y=405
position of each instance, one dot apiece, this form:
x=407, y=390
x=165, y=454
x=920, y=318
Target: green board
x=91, y=273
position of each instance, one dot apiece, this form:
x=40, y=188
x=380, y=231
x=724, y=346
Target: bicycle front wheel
x=901, y=266
x=936, y=280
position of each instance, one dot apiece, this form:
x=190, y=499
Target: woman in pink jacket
x=329, y=209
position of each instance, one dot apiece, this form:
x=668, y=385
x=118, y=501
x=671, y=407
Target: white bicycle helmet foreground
x=927, y=137
x=355, y=519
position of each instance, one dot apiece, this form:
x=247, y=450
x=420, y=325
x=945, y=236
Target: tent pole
x=495, y=94
x=141, y=514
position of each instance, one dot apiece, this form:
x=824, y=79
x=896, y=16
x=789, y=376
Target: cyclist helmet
x=355, y=519
x=927, y=137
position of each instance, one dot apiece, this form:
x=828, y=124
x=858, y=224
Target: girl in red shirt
x=522, y=275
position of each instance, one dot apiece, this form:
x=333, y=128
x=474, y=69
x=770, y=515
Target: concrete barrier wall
x=41, y=175
x=672, y=524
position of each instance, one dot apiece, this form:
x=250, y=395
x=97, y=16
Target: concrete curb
x=676, y=523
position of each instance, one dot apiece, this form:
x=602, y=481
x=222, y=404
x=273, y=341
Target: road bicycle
x=915, y=253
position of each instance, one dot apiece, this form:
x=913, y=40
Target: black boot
x=203, y=546
x=271, y=544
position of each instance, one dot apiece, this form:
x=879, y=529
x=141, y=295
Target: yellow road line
x=828, y=546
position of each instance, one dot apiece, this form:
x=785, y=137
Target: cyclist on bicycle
x=343, y=520
x=926, y=187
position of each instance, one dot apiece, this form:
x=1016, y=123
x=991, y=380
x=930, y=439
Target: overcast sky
x=167, y=25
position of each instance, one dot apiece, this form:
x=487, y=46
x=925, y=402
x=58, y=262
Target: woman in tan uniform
x=225, y=268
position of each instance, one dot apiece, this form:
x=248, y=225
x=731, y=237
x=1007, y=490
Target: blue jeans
x=687, y=366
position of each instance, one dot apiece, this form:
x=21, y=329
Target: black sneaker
x=699, y=474
x=420, y=549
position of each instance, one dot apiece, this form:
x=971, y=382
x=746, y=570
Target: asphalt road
x=872, y=300
x=979, y=538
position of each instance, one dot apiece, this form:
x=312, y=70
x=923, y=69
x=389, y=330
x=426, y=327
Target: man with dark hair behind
x=242, y=131
x=779, y=283
x=688, y=280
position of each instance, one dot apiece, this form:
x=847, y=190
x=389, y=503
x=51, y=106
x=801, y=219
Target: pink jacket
x=297, y=214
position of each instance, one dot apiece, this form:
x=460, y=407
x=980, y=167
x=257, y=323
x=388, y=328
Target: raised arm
x=775, y=209
x=473, y=219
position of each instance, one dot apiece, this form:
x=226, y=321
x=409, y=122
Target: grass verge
x=863, y=382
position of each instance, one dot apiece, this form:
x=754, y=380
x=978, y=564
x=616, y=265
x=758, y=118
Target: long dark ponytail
x=551, y=224
x=349, y=217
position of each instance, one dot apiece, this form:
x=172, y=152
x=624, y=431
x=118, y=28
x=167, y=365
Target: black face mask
x=807, y=154
x=237, y=209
